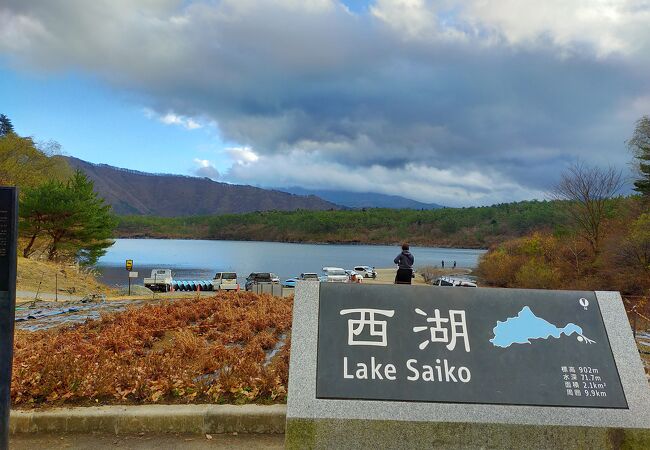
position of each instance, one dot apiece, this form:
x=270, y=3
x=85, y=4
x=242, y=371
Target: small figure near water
x=405, y=262
x=443, y=263
x=454, y=264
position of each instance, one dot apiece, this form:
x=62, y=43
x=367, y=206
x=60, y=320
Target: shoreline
x=353, y=243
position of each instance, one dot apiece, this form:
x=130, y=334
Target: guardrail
x=274, y=289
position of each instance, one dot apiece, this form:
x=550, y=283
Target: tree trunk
x=52, y=252
x=28, y=250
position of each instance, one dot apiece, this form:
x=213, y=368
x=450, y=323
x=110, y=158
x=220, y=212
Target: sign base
x=374, y=434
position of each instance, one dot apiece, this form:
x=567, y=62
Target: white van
x=335, y=275
x=225, y=281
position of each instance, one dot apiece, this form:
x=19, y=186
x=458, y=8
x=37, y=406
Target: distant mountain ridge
x=130, y=192
x=363, y=199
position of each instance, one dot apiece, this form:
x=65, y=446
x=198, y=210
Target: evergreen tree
x=6, y=127
x=640, y=146
x=34, y=212
x=74, y=222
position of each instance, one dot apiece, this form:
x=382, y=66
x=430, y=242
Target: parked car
x=335, y=275
x=455, y=282
x=309, y=276
x=290, y=282
x=160, y=280
x=225, y=281
x=366, y=271
x=260, y=277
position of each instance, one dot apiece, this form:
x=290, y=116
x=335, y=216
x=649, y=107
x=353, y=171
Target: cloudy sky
x=459, y=103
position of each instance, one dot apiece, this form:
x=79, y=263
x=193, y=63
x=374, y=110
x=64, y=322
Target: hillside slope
x=139, y=193
x=46, y=277
x=363, y=199
x=446, y=227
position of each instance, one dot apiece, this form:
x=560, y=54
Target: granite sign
x=465, y=346
x=376, y=366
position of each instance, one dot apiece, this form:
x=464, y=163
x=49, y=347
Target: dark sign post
x=8, y=244
x=129, y=268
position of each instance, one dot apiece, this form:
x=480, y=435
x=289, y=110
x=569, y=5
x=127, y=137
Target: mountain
x=363, y=199
x=140, y=193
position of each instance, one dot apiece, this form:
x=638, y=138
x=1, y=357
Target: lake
x=198, y=260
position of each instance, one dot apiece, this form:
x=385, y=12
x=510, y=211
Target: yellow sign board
x=129, y=264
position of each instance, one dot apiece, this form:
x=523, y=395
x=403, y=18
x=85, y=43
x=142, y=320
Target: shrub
x=535, y=274
x=498, y=268
x=428, y=273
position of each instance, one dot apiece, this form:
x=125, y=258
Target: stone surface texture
x=319, y=423
x=152, y=419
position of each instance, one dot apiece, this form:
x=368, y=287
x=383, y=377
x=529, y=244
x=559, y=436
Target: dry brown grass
x=32, y=273
x=199, y=350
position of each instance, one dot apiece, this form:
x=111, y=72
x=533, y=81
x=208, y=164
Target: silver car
x=366, y=271
x=335, y=275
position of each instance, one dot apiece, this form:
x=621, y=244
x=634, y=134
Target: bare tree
x=588, y=191
x=575, y=251
x=639, y=144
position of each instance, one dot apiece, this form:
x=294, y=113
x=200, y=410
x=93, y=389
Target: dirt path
x=30, y=296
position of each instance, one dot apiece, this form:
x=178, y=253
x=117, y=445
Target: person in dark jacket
x=405, y=262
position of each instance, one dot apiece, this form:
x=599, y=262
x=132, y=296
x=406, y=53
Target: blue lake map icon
x=526, y=326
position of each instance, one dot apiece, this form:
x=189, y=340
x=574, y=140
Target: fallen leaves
x=200, y=350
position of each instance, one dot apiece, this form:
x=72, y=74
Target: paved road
x=102, y=441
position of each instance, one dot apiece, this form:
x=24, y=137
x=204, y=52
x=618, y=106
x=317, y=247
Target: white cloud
x=205, y=168
x=426, y=92
x=242, y=155
x=173, y=119
x=18, y=31
x=411, y=17
x=604, y=26
x=609, y=26
x=451, y=187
